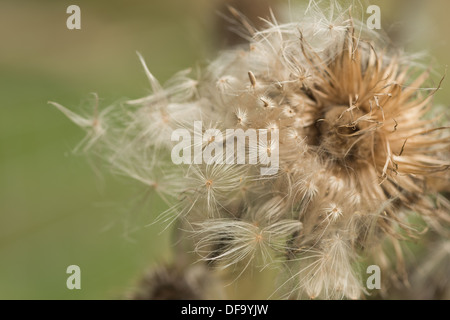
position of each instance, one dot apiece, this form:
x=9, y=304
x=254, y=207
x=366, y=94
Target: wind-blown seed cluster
x=358, y=155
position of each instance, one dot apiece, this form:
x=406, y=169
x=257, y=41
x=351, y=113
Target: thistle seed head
x=357, y=153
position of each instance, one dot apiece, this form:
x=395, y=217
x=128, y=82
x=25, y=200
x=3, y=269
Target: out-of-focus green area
x=55, y=208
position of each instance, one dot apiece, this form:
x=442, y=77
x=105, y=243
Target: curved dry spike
x=156, y=87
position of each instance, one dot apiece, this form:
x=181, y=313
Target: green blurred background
x=58, y=208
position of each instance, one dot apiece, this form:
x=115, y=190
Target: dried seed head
x=357, y=152
x=173, y=282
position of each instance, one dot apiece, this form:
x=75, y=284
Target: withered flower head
x=174, y=282
x=358, y=148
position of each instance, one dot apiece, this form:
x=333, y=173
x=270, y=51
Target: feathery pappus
x=360, y=151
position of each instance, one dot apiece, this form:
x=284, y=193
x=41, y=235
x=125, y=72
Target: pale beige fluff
x=356, y=154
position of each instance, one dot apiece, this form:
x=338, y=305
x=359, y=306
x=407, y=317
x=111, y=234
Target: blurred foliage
x=58, y=208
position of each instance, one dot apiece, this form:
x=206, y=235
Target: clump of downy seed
x=358, y=154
